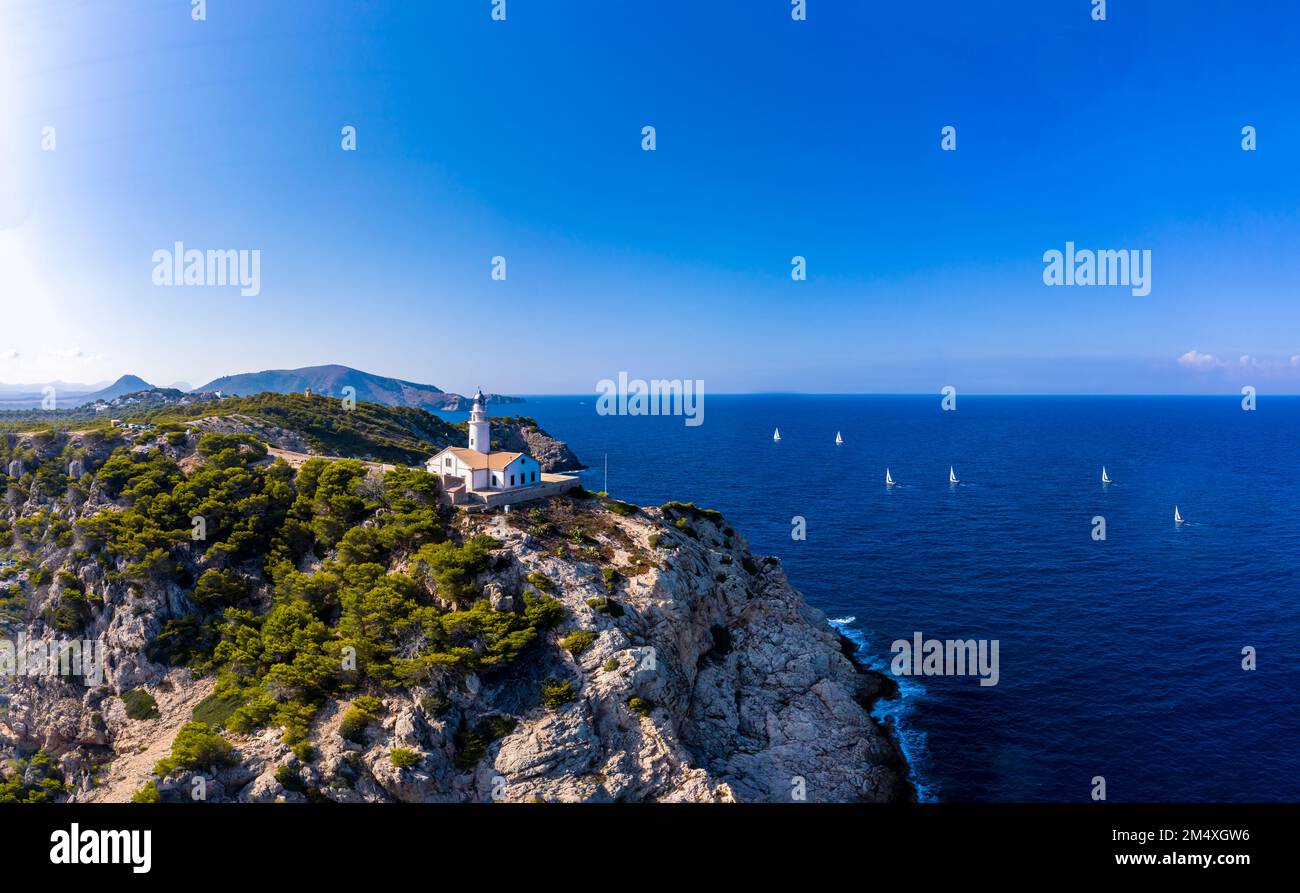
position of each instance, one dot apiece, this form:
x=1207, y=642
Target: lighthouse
x=476, y=474
x=480, y=429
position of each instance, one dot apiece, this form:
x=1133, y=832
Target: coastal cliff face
x=523, y=435
x=675, y=666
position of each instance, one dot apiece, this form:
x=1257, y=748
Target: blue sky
x=775, y=138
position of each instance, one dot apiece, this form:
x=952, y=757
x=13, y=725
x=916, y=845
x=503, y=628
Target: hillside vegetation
x=397, y=434
x=332, y=631
x=389, y=603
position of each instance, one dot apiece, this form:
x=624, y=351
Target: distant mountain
x=127, y=384
x=31, y=396
x=10, y=390
x=68, y=415
x=329, y=381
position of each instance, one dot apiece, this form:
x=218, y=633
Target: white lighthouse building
x=480, y=429
x=476, y=469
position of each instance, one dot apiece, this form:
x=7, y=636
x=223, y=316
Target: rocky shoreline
x=687, y=669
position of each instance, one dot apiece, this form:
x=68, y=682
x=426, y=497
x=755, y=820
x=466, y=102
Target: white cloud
x=74, y=353
x=1203, y=362
x=1198, y=360
x=9, y=354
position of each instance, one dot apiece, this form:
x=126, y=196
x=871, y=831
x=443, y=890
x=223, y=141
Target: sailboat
x=776, y=435
x=838, y=439
x=1178, y=519
x=1105, y=478
x=952, y=476
x=889, y=479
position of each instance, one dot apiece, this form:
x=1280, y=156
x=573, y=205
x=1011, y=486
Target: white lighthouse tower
x=480, y=429
x=476, y=474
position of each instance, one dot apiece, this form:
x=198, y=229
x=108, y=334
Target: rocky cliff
x=521, y=434
x=681, y=667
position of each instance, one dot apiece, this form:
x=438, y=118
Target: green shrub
x=622, y=508
x=290, y=778
x=365, y=709
x=472, y=743
x=33, y=780
x=216, y=708
x=219, y=588
x=185, y=641
x=369, y=704
x=556, y=694
x=578, y=641
x=694, y=511
x=610, y=665
x=140, y=704
x=453, y=568
x=147, y=794
x=748, y=564
x=609, y=577
x=643, y=706
x=197, y=746
x=541, y=581
x=605, y=605
x=403, y=758
x=435, y=704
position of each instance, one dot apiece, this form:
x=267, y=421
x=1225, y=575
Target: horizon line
x=1235, y=394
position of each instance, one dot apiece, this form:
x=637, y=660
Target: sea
x=1126, y=658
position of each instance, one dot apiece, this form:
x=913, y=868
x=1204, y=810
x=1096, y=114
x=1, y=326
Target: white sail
x=1178, y=519
x=1105, y=479
x=776, y=435
x=952, y=476
x=838, y=438
x=889, y=479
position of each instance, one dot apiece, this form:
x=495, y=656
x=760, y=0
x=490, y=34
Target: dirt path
x=67, y=433
x=295, y=459
x=143, y=743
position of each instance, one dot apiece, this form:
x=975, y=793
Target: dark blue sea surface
x=1119, y=659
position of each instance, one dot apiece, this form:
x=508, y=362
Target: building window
x=512, y=480
x=534, y=477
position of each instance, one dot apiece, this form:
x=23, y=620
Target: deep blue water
x=1119, y=658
